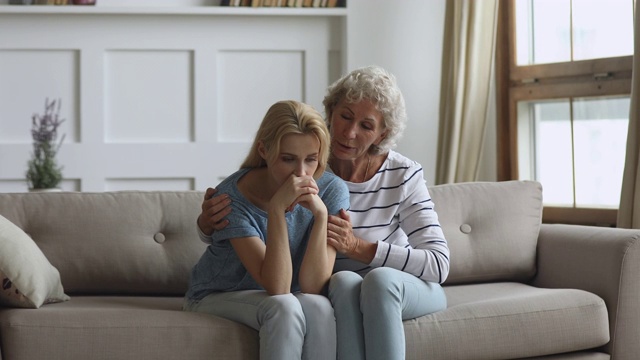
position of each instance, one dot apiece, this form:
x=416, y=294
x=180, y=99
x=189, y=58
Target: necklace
x=366, y=171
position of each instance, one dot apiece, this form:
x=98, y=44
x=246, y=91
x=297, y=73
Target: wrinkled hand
x=214, y=209
x=340, y=233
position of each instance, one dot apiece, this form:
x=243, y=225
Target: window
x=564, y=81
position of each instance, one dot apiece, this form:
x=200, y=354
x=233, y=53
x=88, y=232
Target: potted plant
x=43, y=171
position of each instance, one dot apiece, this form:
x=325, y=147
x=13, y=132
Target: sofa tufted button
x=465, y=228
x=159, y=238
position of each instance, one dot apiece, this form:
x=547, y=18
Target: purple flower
x=43, y=171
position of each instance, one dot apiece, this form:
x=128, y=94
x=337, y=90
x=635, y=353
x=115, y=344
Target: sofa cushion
x=508, y=321
x=28, y=279
x=491, y=227
x=121, y=327
x=130, y=242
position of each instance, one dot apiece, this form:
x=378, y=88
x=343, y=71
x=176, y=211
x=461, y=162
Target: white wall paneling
x=148, y=96
x=156, y=98
x=408, y=42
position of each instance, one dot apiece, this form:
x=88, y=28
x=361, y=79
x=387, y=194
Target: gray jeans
x=291, y=326
x=369, y=312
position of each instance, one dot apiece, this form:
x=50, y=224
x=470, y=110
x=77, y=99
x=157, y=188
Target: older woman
x=390, y=240
x=392, y=253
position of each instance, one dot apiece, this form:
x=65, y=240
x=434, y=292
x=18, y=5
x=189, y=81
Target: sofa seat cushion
x=507, y=321
x=87, y=327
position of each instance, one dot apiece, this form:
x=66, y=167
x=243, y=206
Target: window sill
x=580, y=216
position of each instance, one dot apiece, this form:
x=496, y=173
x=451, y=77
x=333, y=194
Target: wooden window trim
x=618, y=66
x=506, y=136
x=580, y=216
x=559, y=91
x=598, y=77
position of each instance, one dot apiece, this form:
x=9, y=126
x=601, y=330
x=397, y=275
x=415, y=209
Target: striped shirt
x=395, y=210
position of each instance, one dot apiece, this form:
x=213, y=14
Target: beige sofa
x=516, y=289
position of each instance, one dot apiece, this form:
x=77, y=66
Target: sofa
x=111, y=270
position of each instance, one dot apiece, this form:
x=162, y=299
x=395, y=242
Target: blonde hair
x=284, y=118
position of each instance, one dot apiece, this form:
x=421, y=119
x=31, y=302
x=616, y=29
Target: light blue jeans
x=291, y=326
x=369, y=311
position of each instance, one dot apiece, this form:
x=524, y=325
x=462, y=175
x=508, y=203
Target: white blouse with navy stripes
x=395, y=210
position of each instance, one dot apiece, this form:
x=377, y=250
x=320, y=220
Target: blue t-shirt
x=220, y=269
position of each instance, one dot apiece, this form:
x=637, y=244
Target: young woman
x=392, y=253
x=268, y=267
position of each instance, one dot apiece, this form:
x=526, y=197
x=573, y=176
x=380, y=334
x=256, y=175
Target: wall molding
x=156, y=98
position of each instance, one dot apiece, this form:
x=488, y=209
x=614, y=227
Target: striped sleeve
x=203, y=237
x=427, y=254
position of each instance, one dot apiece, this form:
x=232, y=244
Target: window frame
x=582, y=78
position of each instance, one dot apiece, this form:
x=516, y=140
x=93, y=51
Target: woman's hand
x=340, y=236
x=340, y=233
x=313, y=203
x=297, y=190
x=214, y=209
x=311, y=200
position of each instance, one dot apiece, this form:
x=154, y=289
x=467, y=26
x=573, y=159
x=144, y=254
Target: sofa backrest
x=491, y=227
x=115, y=242
x=137, y=242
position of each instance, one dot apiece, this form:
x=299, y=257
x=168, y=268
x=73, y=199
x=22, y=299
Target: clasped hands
x=303, y=191
x=295, y=190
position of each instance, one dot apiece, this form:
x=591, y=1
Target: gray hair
x=375, y=84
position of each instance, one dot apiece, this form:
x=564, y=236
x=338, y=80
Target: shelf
x=166, y=10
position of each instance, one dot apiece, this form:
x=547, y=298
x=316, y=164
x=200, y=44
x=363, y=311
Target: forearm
x=277, y=271
x=363, y=251
x=319, y=258
x=203, y=237
x=204, y=227
x=430, y=264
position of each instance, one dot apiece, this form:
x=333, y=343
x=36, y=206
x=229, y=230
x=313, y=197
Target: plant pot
x=46, y=190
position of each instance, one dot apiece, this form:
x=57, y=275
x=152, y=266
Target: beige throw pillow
x=28, y=279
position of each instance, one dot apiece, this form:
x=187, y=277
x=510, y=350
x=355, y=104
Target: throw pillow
x=28, y=279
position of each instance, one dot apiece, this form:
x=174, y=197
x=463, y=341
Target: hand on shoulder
x=214, y=210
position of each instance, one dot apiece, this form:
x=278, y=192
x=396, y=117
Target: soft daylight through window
x=572, y=115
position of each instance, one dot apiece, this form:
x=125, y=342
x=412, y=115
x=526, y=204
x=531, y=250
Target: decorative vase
x=46, y=190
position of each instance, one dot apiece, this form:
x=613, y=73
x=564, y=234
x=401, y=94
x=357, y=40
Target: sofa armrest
x=603, y=261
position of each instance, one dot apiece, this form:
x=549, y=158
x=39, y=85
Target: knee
x=284, y=306
x=344, y=280
x=344, y=283
x=317, y=304
x=317, y=308
x=381, y=283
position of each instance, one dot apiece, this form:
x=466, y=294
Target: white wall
x=405, y=37
x=155, y=98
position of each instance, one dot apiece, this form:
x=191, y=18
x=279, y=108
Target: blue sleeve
x=241, y=224
x=334, y=193
x=243, y=220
